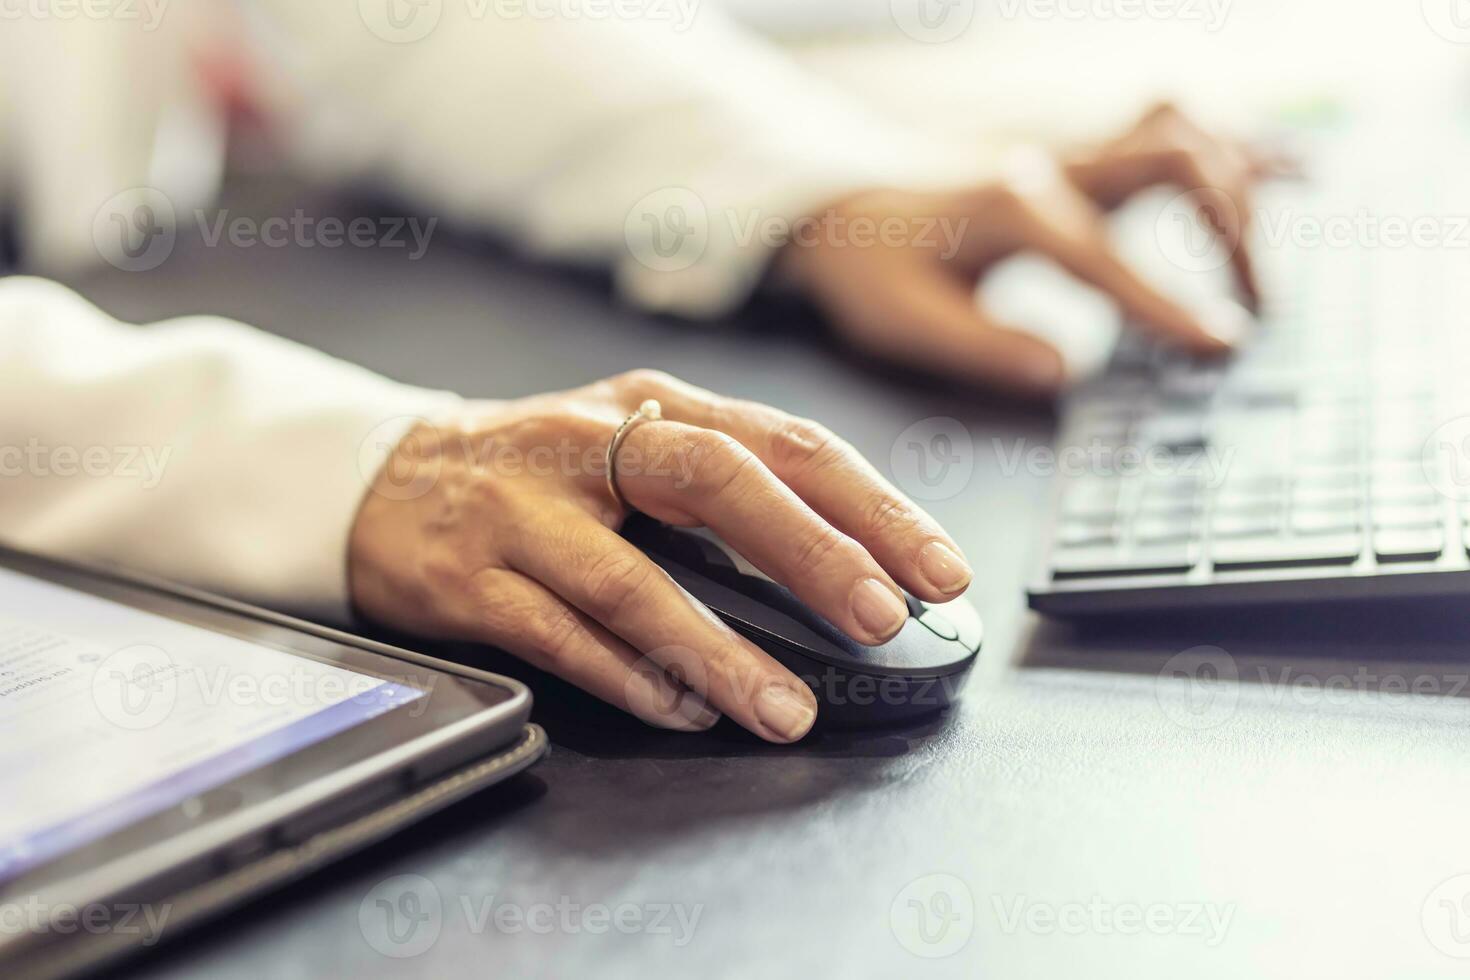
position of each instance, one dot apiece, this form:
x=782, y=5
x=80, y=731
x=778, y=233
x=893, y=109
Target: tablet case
x=82, y=950
x=188, y=908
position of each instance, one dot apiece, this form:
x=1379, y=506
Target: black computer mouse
x=918, y=672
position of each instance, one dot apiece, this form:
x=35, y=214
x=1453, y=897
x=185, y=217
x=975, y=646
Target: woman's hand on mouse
x=497, y=526
x=911, y=297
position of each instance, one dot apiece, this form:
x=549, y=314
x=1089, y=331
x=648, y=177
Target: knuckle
x=645, y=381
x=887, y=515
x=1005, y=195
x=614, y=582
x=718, y=462
x=556, y=638
x=1164, y=109
x=1180, y=163
x=797, y=443
x=817, y=550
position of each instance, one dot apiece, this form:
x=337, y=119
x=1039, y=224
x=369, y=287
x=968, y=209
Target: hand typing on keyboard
x=910, y=297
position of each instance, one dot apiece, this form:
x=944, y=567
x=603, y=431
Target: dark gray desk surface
x=1095, y=823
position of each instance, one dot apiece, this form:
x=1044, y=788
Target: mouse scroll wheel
x=712, y=554
x=916, y=607
x=698, y=552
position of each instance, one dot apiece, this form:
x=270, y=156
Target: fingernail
x=687, y=712
x=944, y=569
x=1226, y=321
x=877, y=609
x=785, y=712
x=704, y=716
x=1046, y=373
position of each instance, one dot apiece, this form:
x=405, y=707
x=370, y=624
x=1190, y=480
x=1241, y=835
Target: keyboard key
x=1325, y=521
x=1341, y=479
x=1247, y=525
x=1075, y=534
x=1276, y=552
x=1406, y=544
x=1176, y=509
x=1139, y=560
x=1163, y=530
x=1422, y=495
x=1252, y=505
x=1406, y=516
x=1316, y=498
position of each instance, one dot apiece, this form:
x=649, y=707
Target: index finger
x=1086, y=253
x=836, y=481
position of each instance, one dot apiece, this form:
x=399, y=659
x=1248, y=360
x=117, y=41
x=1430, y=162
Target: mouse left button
x=939, y=626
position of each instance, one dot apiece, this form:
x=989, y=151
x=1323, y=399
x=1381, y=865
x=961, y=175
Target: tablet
x=152, y=738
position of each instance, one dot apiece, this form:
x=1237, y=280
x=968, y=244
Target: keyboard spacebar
x=1101, y=562
x=1274, y=552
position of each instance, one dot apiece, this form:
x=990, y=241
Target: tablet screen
x=109, y=714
